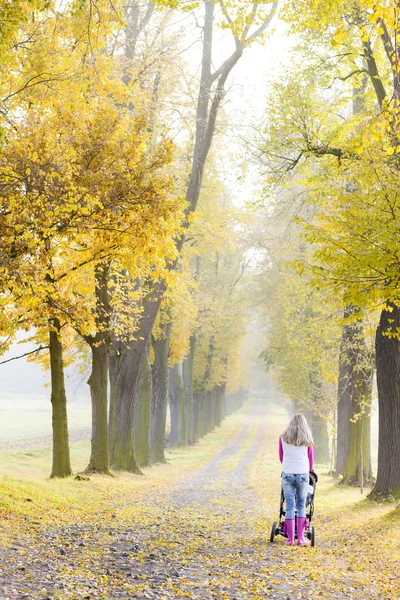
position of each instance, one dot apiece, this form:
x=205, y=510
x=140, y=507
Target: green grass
x=25, y=474
x=24, y=417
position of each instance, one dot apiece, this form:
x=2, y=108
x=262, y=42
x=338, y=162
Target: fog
x=25, y=408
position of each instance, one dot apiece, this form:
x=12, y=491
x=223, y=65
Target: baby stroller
x=280, y=529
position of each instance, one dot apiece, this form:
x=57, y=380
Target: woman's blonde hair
x=298, y=432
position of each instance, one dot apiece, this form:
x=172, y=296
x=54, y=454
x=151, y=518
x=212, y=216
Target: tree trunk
x=173, y=410
x=321, y=439
x=219, y=404
x=100, y=457
x=183, y=441
x=126, y=370
x=358, y=460
x=160, y=395
x=229, y=404
x=202, y=426
x=234, y=401
x=188, y=384
x=142, y=413
x=344, y=412
x=209, y=100
x=210, y=410
x=112, y=412
x=354, y=404
x=98, y=380
x=122, y=413
x=177, y=407
x=196, y=417
x=61, y=458
x=387, y=347
x=355, y=381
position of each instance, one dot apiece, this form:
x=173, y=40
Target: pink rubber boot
x=290, y=531
x=301, y=525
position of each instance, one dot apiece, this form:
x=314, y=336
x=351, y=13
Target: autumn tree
x=353, y=178
x=302, y=333
x=92, y=186
x=246, y=22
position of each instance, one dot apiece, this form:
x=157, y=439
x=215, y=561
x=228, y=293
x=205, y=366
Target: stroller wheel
x=272, y=536
x=313, y=536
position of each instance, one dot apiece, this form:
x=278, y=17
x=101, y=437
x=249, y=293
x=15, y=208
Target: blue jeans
x=295, y=489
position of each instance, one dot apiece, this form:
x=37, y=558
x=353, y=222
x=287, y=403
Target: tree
x=302, y=339
x=354, y=402
x=354, y=231
x=91, y=188
x=211, y=92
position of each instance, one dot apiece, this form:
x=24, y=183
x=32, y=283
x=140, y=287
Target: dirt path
x=207, y=537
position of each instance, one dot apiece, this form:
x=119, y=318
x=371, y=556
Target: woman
x=297, y=457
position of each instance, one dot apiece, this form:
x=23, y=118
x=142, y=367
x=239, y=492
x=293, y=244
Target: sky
x=247, y=88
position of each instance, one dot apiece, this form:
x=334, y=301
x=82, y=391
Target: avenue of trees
x=119, y=243
x=122, y=246
x=329, y=148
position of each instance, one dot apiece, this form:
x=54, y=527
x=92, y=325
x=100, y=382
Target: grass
x=24, y=475
x=23, y=416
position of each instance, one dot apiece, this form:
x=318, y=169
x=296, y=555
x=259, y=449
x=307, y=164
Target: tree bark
x=61, y=456
x=125, y=369
x=196, y=417
x=358, y=467
x=354, y=404
x=210, y=401
x=188, y=384
x=173, y=409
x=142, y=412
x=98, y=380
x=202, y=424
x=177, y=407
x=122, y=410
x=160, y=395
x=321, y=438
x=128, y=361
x=219, y=404
x=344, y=412
x=387, y=347
x=99, y=457
x=234, y=401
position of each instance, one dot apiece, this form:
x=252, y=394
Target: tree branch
x=230, y=23
x=387, y=43
x=346, y=77
x=3, y=362
x=31, y=83
x=374, y=73
x=228, y=64
x=251, y=19
x=264, y=25
x=326, y=150
x=97, y=256
x=147, y=17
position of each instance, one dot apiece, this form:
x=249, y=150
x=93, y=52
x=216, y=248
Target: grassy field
x=25, y=475
x=23, y=416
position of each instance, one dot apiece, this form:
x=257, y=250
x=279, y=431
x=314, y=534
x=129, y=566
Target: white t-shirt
x=295, y=459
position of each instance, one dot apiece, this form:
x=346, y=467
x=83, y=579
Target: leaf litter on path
x=204, y=537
